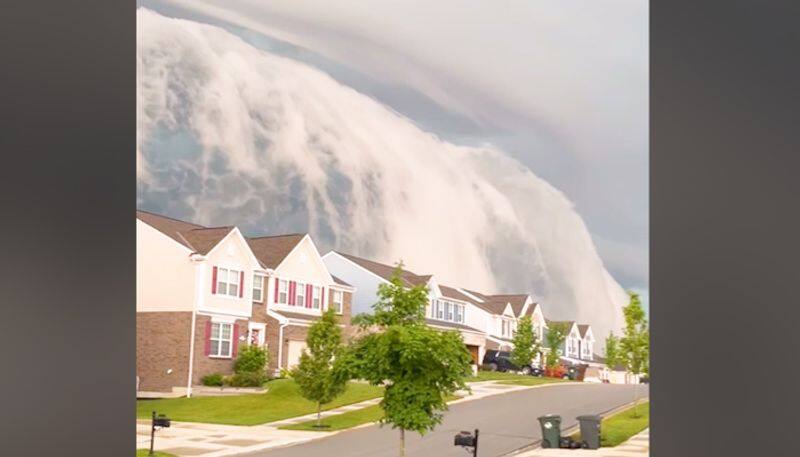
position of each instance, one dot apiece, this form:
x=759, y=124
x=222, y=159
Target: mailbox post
x=162, y=422
x=467, y=439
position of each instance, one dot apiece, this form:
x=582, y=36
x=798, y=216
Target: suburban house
x=505, y=311
x=201, y=292
x=194, y=288
x=448, y=308
x=295, y=293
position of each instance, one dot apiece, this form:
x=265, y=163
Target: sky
x=561, y=87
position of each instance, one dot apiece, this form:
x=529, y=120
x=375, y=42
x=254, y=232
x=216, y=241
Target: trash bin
x=590, y=431
x=551, y=430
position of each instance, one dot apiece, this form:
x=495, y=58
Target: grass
x=512, y=378
x=346, y=420
x=281, y=401
x=146, y=453
x=618, y=428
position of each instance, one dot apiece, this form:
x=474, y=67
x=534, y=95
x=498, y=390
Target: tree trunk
x=319, y=415
x=402, y=443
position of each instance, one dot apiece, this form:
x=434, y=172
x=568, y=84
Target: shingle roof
x=450, y=325
x=339, y=281
x=452, y=292
x=582, y=328
x=385, y=271
x=168, y=226
x=204, y=239
x=271, y=250
x=517, y=301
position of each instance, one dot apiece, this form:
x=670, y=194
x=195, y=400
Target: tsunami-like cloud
x=229, y=134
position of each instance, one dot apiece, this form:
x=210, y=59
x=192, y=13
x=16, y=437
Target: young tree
x=612, y=352
x=555, y=336
x=634, y=346
x=318, y=375
x=526, y=344
x=419, y=366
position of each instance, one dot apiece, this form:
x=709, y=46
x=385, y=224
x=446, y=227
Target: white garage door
x=295, y=349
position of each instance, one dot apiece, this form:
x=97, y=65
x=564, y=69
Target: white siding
x=165, y=276
x=366, y=283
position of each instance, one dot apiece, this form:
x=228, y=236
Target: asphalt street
x=506, y=422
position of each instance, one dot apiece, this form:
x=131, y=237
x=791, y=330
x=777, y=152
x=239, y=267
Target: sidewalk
x=637, y=446
x=214, y=440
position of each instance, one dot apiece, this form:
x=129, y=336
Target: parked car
x=501, y=361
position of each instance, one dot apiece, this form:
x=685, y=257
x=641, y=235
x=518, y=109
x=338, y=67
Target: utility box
x=590, y=431
x=551, y=430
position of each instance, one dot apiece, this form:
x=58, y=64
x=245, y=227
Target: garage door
x=295, y=349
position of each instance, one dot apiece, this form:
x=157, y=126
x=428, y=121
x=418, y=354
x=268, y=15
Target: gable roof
x=517, y=301
x=452, y=292
x=168, y=226
x=385, y=271
x=203, y=240
x=271, y=250
x=496, y=304
x=340, y=281
x=582, y=329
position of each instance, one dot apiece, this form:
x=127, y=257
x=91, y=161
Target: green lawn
x=346, y=420
x=282, y=401
x=618, y=428
x=512, y=378
x=146, y=453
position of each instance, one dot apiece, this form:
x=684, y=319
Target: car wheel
x=493, y=367
x=526, y=370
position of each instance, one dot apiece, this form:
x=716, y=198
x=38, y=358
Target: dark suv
x=501, y=361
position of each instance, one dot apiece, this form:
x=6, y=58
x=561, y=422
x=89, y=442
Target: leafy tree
x=634, y=346
x=555, y=336
x=319, y=375
x=526, y=344
x=419, y=366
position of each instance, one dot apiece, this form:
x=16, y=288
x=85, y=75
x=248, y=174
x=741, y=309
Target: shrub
x=285, y=373
x=212, y=380
x=251, y=359
x=555, y=372
x=248, y=379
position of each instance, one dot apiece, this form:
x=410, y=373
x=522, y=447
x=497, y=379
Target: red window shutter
x=309, y=296
x=207, y=349
x=214, y=280
x=292, y=295
x=241, y=284
x=235, y=340
x=277, y=286
x=322, y=298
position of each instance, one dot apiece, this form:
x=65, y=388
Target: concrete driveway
x=507, y=423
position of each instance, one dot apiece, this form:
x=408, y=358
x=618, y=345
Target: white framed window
x=228, y=282
x=459, y=313
x=316, y=297
x=300, y=298
x=338, y=301
x=439, y=309
x=258, y=288
x=448, y=311
x=221, y=339
x=283, y=291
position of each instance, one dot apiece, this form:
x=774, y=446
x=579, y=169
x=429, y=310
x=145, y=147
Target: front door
x=473, y=350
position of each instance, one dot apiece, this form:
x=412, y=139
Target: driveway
x=507, y=422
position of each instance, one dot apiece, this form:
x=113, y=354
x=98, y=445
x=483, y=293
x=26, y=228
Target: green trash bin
x=551, y=430
x=590, y=431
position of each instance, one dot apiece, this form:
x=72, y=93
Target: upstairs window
x=228, y=282
x=316, y=299
x=439, y=309
x=258, y=288
x=283, y=291
x=448, y=311
x=338, y=301
x=459, y=313
x=301, y=295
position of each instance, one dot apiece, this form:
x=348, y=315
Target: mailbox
x=467, y=439
x=161, y=421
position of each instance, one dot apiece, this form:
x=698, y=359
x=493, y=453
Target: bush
x=212, y=380
x=251, y=359
x=248, y=379
x=285, y=373
x=555, y=372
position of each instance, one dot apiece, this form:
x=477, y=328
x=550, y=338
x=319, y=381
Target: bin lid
x=550, y=416
x=589, y=417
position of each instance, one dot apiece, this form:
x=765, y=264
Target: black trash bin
x=551, y=430
x=590, y=431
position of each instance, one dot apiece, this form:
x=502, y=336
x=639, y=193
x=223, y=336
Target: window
x=439, y=309
x=316, y=297
x=301, y=294
x=338, y=301
x=221, y=339
x=258, y=288
x=283, y=291
x=459, y=313
x=228, y=282
x=448, y=311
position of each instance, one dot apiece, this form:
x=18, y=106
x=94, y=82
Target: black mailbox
x=161, y=421
x=465, y=439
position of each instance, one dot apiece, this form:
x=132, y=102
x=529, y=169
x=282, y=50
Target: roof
x=385, y=271
x=203, y=240
x=569, y=324
x=168, y=226
x=582, y=329
x=450, y=325
x=452, y=292
x=271, y=250
x=517, y=301
x=299, y=316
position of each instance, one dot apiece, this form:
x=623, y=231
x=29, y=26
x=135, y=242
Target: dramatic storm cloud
x=230, y=134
